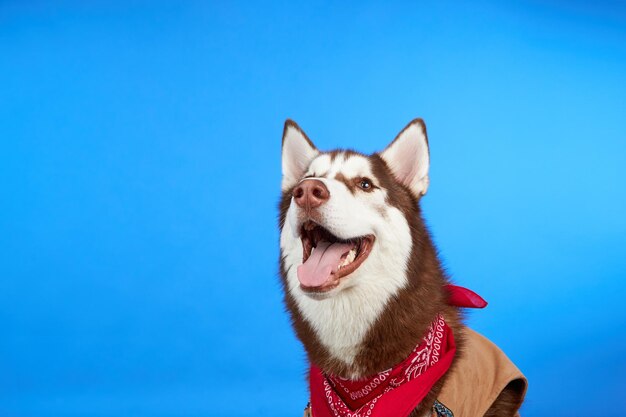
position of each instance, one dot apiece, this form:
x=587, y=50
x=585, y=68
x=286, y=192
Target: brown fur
x=509, y=400
x=347, y=182
x=353, y=183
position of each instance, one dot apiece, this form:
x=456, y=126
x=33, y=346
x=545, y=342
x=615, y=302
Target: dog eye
x=365, y=184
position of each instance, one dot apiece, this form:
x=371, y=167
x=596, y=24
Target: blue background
x=140, y=171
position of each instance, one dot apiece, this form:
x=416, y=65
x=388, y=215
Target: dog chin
x=321, y=295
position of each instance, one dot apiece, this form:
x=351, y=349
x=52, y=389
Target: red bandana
x=394, y=392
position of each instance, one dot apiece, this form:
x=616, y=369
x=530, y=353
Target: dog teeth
x=349, y=258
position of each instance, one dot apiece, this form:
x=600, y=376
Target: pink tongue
x=324, y=260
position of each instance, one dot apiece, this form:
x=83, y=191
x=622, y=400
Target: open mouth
x=326, y=258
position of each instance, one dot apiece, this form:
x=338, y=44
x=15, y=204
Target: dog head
x=346, y=217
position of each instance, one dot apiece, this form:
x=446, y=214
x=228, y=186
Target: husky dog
x=364, y=286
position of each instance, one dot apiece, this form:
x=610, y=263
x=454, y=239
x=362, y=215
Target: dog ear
x=407, y=157
x=298, y=152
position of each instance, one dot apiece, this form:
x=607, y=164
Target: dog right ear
x=298, y=152
x=407, y=157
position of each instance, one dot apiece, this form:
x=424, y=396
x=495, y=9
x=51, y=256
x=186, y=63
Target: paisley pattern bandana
x=396, y=391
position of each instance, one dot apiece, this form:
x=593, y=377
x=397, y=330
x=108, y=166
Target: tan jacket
x=480, y=374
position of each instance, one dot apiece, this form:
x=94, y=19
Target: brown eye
x=365, y=184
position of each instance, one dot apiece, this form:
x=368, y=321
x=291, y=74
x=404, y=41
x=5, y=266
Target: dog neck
x=357, y=333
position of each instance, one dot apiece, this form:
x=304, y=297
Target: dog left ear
x=298, y=152
x=407, y=157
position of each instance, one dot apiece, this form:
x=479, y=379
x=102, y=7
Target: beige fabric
x=478, y=377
